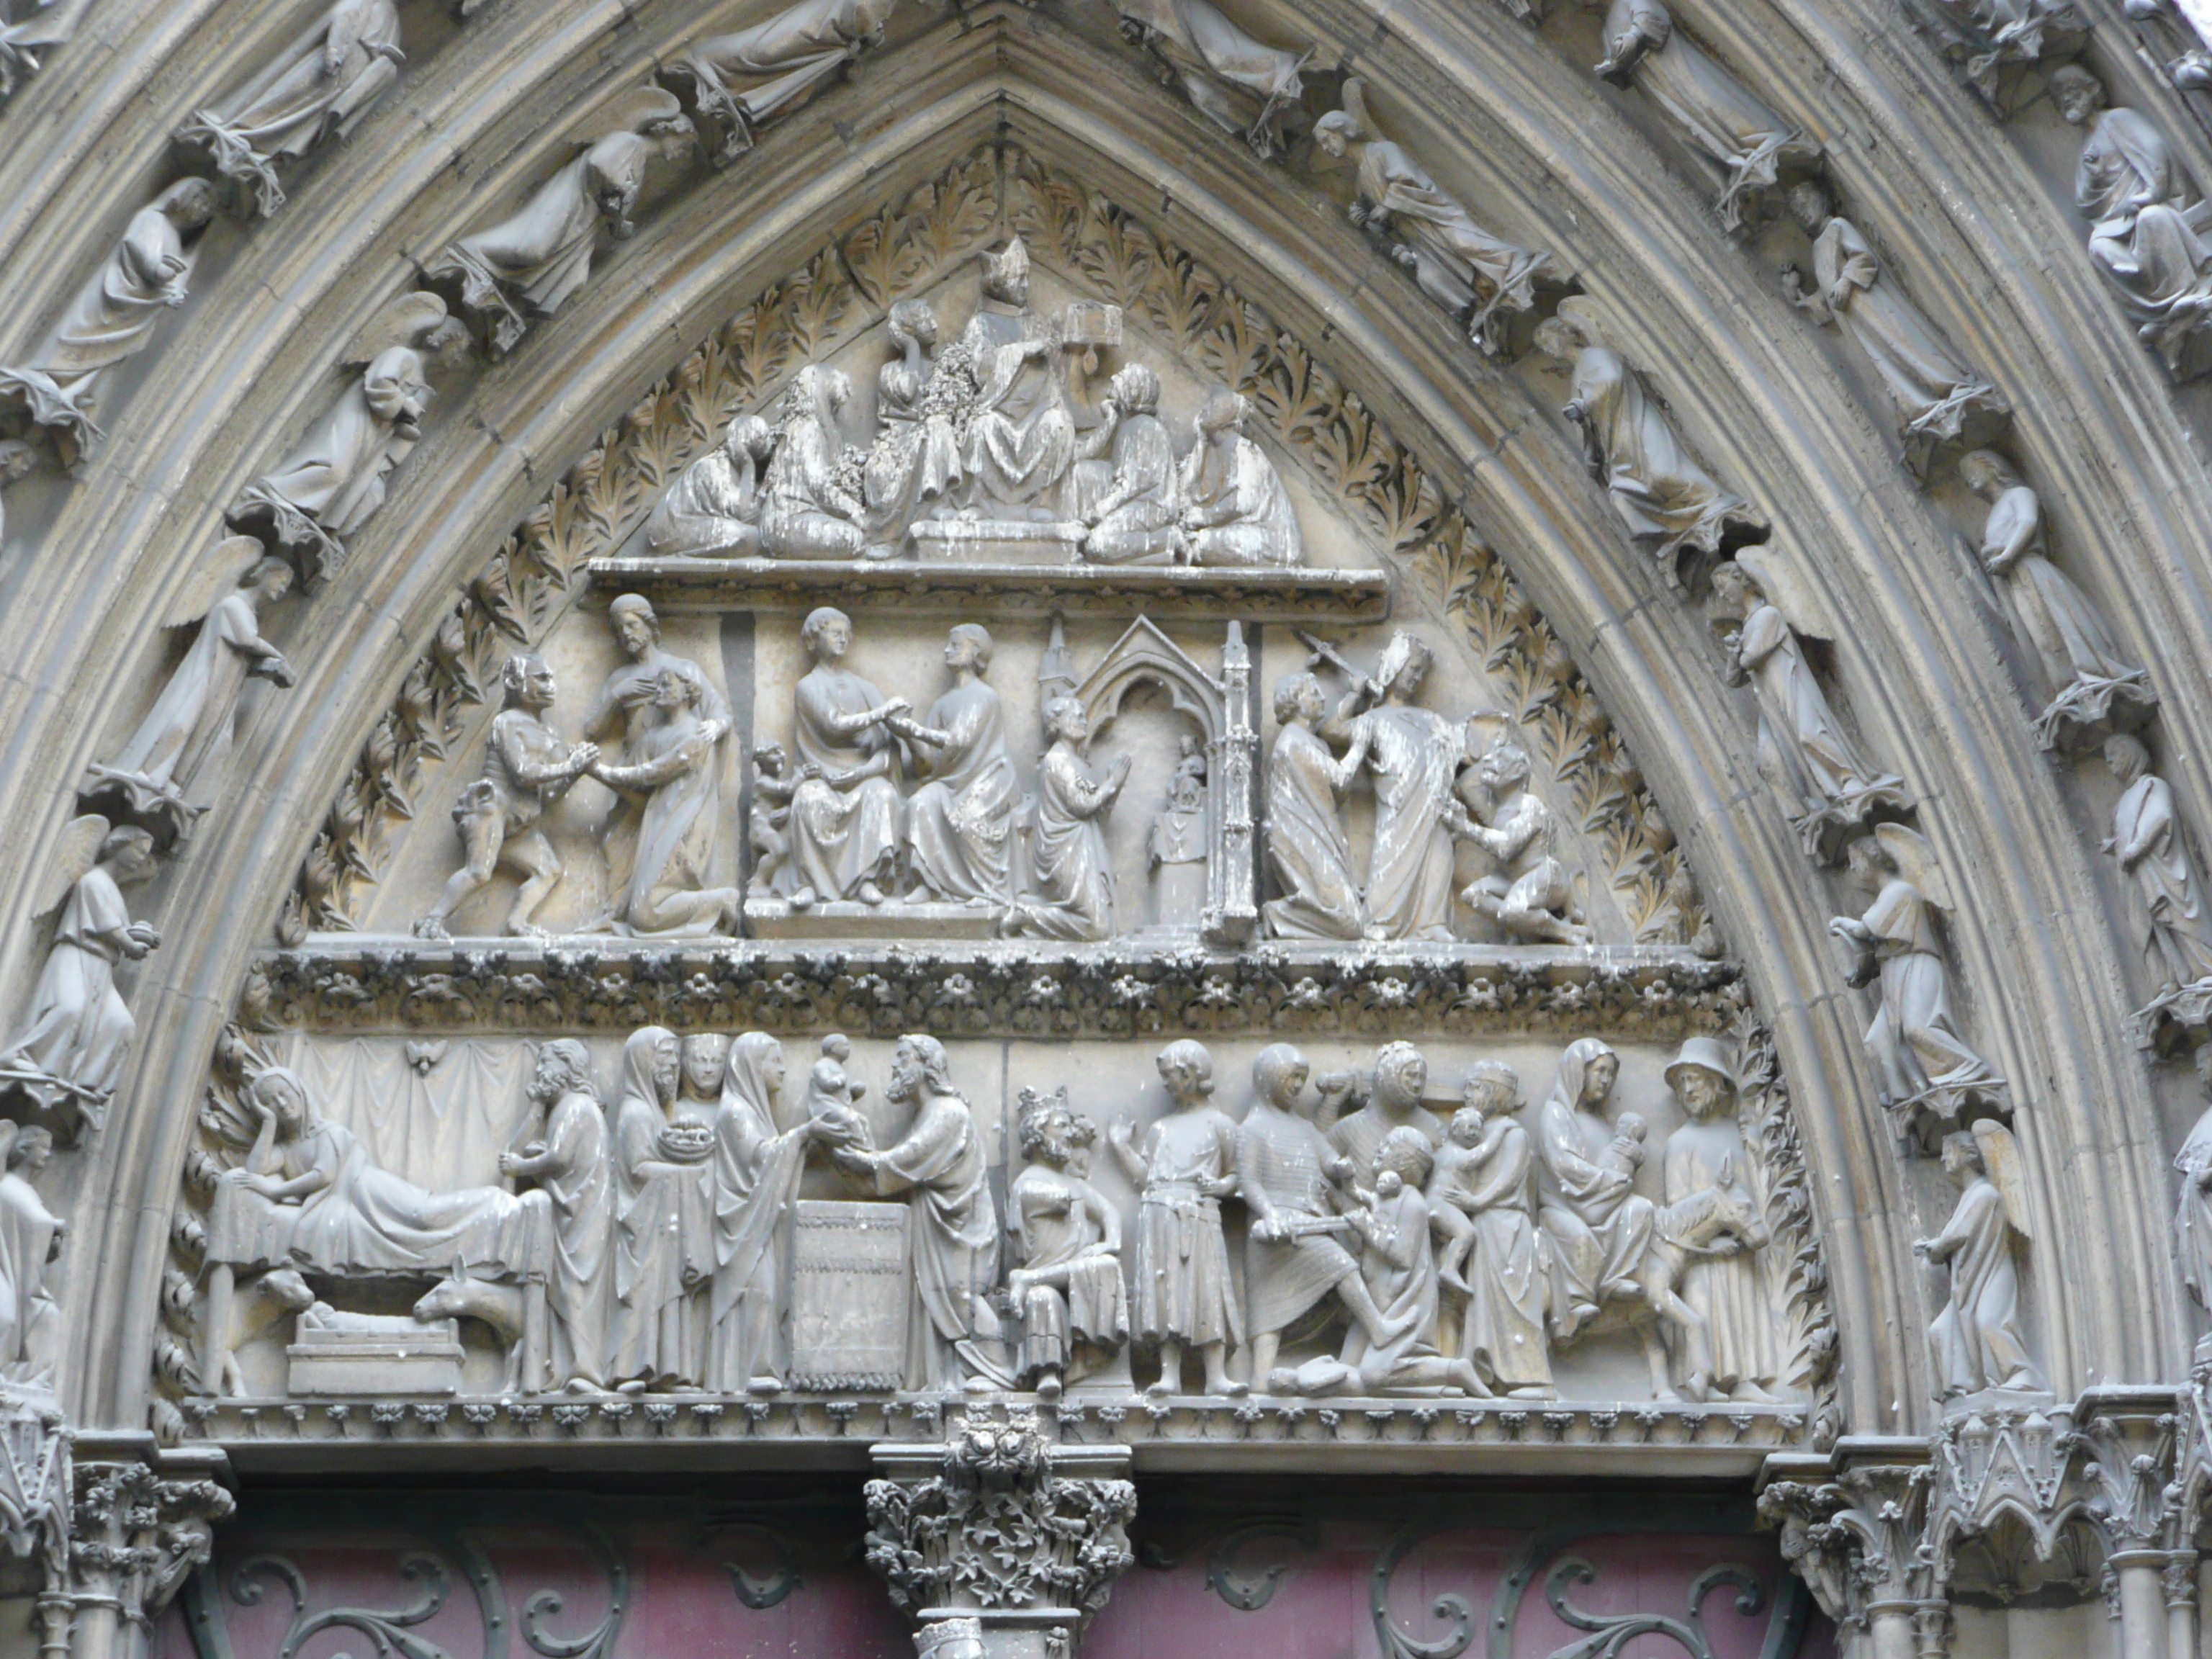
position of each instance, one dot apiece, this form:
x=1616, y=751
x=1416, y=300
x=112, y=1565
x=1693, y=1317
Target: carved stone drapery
x=1001, y=1525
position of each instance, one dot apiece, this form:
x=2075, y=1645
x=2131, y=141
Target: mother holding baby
x=1495, y=1255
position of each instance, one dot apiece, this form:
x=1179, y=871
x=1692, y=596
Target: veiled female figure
x=1307, y=848
x=114, y=313
x=2080, y=657
x=2141, y=205
x=808, y=513
x=914, y=463
x=1748, y=140
x=1668, y=501
x=1509, y=1267
x=1600, y=1226
x=1235, y=511
x=650, y=1339
x=1933, y=387
x=714, y=507
x=1413, y=753
x=756, y=1169
x=847, y=818
x=678, y=772
x=1073, y=893
x=320, y=86
x=1458, y=263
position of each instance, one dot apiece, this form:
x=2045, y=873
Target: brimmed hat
x=1705, y=1055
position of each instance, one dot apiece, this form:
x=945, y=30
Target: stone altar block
x=996, y=541
x=851, y=1288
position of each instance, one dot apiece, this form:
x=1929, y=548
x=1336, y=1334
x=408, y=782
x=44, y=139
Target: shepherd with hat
x=1730, y=1285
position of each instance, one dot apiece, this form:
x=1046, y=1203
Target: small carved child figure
x=1626, y=1152
x=1466, y=1149
x=1186, y=1166
x=774, y=785
x=1068, y=1291
x=832, y=1097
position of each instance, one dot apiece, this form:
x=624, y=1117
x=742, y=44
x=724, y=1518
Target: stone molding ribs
x=1001, y=1526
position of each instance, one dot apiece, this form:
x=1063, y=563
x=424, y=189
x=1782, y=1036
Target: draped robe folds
x=2143, y=225
x=544, y=252
x=1599, y=1227
x=293, y=103
x=2178, y=944
x=960, y=822
x=112, y=318
x=1730, y=1292
x=1283, y=1156
x=2192, y=1220
x=187, y=731
x=1800, y=737
x=1913, y=1040
x=1074, y=880
x=1508, y=1269
x=1931, y=385
x=2076, y=648
x=1665, y=498
x=1143, y=504
x=804, y=513
x=714, y=507
x=1413, y=754
x=1021, y=437
x=648, y=1334
x=1746, y=138
x=1201, y=43
x=939, y=1162
x=335, y=476
x=669, y=893
x=28, y=1312
x=756, y=1178
x=79, y=1030
x=1052, y=1224
x=1976, y=1342
x=1307, y=848
x=1398, y=1263
x=914, y=461
x=1359, y=1136
x=577, y=1180
x=1245, y=516
x=621, y=720
x=1456, y=260
x=786, y=56
x=840, y=837
x=1185, y=1292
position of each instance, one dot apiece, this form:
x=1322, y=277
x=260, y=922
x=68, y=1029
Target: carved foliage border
x=530, y=581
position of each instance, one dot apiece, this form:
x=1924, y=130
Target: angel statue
x=532, y=265
x=1938, y=394
x=1976, y=1343
x=318, y=86
x=1240, y=86
x=745, y=78
x=714, y=505
x=332, y=482
x=113, y=317
x=1922, y=1066
x=30, y=1238
x=1668, y=501
x=1829, y=790
x=1748, y=142
x=1459, y=265
x=2098, y=691
x=68, y=1054
x=167, y=771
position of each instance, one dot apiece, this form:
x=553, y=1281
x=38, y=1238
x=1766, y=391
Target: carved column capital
x=1003, y=1526
x=1854, y=1529
x=138, y=1529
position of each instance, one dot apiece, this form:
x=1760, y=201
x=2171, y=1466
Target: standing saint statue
x=1726, y=1287
x=1072, y=893
x=1748, y=142
x=1413, y=754
x=2148, y=843
x=847, y=821
x=2094, y=687
x=30, y=1238
x=1463, y=267
x=332, y=482
x=318, y=86
x=1933, y=389
x=1668, y=502
x=168, y=769
x=1307, y=848
x=677, y=773
x=1976, y=1343
x=532, y=264
x=960, y=822
x=568, y=1162
x=2146, y=219
x=2192, y=1215
x=747, y=77
x=114, y=316
x=955, y=1335
x=68, y=1053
